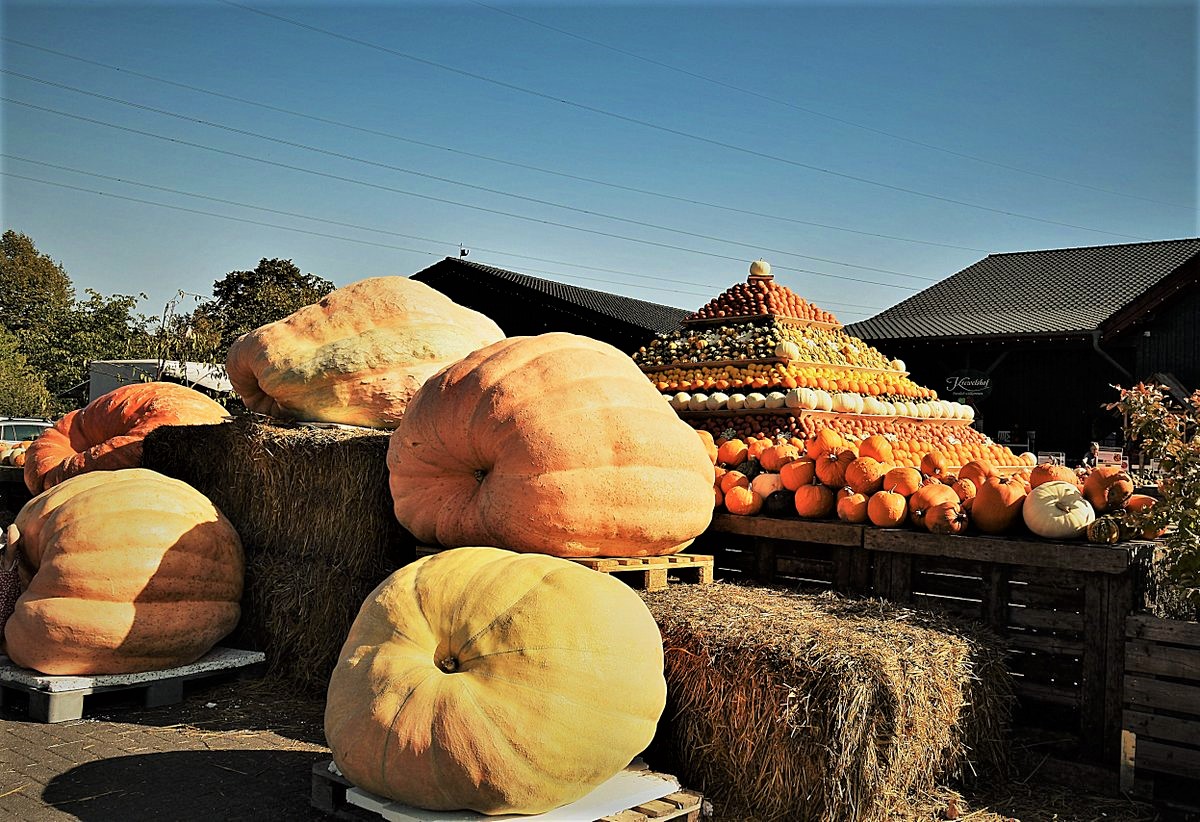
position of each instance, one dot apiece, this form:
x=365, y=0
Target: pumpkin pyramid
x=760, y=361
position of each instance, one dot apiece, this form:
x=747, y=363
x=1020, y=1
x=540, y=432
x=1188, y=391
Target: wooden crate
x=643, y=573
x=329, y=795
x=1060, y=607
x=807, y=553
x=1161, y=720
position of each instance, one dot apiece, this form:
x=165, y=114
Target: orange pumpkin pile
x=760, y=362
x=827, y=476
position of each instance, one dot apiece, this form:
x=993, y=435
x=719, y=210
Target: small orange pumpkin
x=878, y=448
x=825, y=440
x=1048, y=472
x=1107, y=487
x=798, y=472
x=831, y=466
x=997, y=505
x=852, y=508
x=934, y=464
x=732, y=452
x=946, y=518
x=775, y=457
x=887, y=509
x=966, y=491
x=925, y=498
x=1138, y=505
x=865, y=475
x=903, y=480
x=733, y=479
x=977, y=471
x=742, y=501
x=814, y=501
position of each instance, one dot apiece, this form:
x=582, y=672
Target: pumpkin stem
x=449, y=664
x=480, y=474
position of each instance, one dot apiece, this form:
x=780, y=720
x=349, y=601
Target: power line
x=668, y=129
x=490, y=158
x=376, y=164
x=223, y=201
x=815, y=113
x=432, y=198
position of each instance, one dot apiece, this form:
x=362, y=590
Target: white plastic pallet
x=60, y=698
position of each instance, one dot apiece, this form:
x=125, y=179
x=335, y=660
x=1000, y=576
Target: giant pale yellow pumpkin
x=483, y=679
x=123, y=572
x=556, y=444
x=357, y=356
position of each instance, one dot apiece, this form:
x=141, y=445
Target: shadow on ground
x=186, y=785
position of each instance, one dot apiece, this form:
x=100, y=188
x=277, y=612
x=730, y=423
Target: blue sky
x=865, y=149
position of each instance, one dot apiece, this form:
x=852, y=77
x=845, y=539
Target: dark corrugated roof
x=651, y=317
x=1026, y=293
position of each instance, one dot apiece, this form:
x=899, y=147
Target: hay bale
x=794, y=706
x=315, y=515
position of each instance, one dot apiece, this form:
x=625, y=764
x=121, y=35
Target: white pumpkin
x=968, y=412
x=923, y=410
x=824, y=400
x=1057, y=510
x=736, y=402
x=716, y=401
x=755, y=400
x=936, y=411
x=765, y=484
x=898, y=365
x=792, y=399
x=680, y=401
x=698, y=402
x=787, y=350
x=760, y=268
x=872, y=405
x=775, y=399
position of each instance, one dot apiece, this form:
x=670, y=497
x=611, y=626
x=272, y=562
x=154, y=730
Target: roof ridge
x=1088, y=247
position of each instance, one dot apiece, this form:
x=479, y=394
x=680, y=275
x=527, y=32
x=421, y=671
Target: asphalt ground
x=231, y=750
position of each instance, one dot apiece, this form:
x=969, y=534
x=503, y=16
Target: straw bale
x=802, y=706
x=314, y=513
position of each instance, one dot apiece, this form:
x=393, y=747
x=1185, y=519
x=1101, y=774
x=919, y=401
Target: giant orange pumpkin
x=124, y=572
x=500, y=682
x=107, y=434
x=555, y=443
x=357, y=356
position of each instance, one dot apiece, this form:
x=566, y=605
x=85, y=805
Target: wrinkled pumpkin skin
x=122, y=572
x=500, y=682
x=555, y=444
x=357, y=356
x=107, y=434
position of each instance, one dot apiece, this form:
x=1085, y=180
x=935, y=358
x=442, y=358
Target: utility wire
x=487, y=157
x=668, y=129
x=323, y=234
x=432, y=198
x=815, y=113
x=281, y=212
x=499, y=192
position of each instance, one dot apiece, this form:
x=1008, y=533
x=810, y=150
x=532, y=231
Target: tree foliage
x=22, y=390
x=56, y=335
x=244, y=300
x=1171, y=435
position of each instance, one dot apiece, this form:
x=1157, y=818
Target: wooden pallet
x=54, y=699
x=1160, y=729
x=643, y=573
x=329, y=795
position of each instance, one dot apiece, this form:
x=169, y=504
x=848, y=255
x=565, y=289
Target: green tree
x=22, y=391
x=56, y=335
x=34, y=289
x=244, y=300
